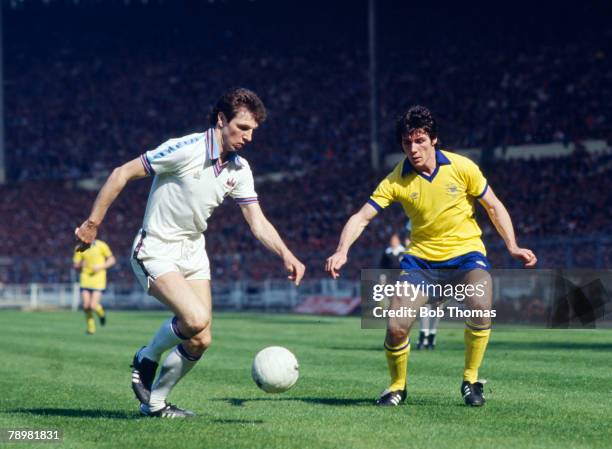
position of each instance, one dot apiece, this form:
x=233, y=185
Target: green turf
x=547, y=389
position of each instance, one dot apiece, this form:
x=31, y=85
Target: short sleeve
x=170, y=157
x=77, y=257
x=106, y=251
x=476, y=183
x=244, y=191
x=384, y=194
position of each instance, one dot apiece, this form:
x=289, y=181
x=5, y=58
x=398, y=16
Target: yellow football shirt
x=93, y=256
x=440, y=207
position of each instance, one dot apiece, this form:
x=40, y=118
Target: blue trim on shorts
x=91, y=290
x=416, y=270
x=469, y=261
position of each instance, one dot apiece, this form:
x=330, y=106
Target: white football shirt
x=190, y=182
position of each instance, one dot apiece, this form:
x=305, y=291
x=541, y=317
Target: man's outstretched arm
x=86, y=233
x=350, y=233
x=503, y=223
x=267, y=234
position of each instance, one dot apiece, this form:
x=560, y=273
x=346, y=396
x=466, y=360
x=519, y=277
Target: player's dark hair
x=417, y=117
x=234, y=99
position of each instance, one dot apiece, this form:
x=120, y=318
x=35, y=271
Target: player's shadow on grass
x=522, y=345
x=78, y=413
x=447, y=345
x=290, y=321
x=511, y=345
x=239, y=402
x=237, y=421
x=378, y=348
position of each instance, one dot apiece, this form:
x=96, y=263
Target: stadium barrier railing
x=267, y=295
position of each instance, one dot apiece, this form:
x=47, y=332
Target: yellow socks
x=91, y=324
x=99, y=310
x=397, y=360
x=476, y=338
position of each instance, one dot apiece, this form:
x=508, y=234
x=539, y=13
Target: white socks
x=166, y=337
x=177, y=363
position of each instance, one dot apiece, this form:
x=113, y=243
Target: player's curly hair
x=417, y=117
x=234, y=99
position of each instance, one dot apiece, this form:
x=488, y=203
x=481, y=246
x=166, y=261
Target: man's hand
x=295, y=268
x=524, y=255
x=85, y=234
x=334, y=263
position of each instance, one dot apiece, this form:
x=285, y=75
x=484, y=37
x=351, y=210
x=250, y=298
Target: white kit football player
x=192, y=176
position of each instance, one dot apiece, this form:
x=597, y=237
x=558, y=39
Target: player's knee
x=396, y=335
x=479, y=322
x=201, y=341
x=194, y=327
x=195, y=322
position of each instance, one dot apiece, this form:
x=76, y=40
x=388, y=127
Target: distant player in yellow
x=437, y=190
x=93, y=264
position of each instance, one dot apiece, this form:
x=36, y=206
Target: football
x=275, y=369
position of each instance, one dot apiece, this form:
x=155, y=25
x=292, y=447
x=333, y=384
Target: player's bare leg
x=192, y=316
x=91, y=324
x=201, y=341
x=476, y=334
x=178, y=294
x=184, y=356
x=397, y=347
x=191, y=303
x=96, y=297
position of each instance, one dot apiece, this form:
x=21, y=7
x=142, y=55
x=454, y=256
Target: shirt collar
x=441, y=159
x=214, y=151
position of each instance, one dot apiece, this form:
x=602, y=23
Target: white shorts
x=152, y=257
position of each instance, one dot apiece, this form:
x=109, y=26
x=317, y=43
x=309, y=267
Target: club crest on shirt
x=230, y=183
x=414, y=196
x=452, y=189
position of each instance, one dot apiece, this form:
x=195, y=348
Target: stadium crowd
x=310, y=210
x=82, y=99
x=78, y=104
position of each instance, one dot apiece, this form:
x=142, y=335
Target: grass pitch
x=547, y=389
